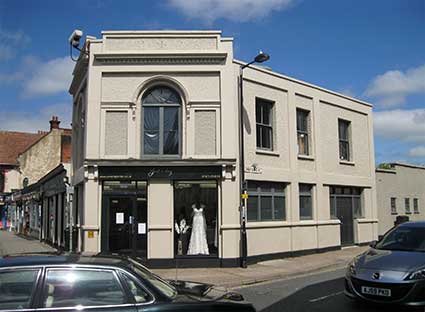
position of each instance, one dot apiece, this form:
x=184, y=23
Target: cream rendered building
x=155, y=125
x=400, y=192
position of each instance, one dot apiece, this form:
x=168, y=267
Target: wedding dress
x=198, y=239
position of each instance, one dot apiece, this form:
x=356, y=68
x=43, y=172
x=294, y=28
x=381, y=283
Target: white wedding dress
x=198, y=239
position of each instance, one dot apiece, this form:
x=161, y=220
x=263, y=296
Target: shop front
x=184, y=208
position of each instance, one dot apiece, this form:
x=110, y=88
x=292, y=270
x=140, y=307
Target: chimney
x=54, y=123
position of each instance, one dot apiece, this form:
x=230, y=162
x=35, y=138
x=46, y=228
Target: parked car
x=392, y=270
x=100, y=283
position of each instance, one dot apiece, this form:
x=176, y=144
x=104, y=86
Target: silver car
x=393, y=270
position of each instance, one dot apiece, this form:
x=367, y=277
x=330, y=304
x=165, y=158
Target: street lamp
x=260, y=58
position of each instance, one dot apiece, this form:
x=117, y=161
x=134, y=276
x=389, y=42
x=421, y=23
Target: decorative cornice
x=161, y=59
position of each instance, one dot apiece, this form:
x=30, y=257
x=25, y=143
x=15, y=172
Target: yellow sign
x=90, y=234
x=244, y=196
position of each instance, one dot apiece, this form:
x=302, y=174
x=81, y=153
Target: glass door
x=120, y=219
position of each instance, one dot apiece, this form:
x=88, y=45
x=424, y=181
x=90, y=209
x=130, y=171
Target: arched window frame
x=161, y=130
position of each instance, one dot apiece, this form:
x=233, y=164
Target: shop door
x=344, y=210
x=127, y=225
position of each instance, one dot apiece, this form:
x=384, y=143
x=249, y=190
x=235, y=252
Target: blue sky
x=372, y=50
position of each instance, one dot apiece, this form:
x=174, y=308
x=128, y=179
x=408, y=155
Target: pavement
x=11, y=243
x=267, y=270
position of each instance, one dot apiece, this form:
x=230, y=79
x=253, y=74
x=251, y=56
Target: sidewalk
x=267, y=270
x=11, y=243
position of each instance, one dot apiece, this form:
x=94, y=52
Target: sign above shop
x=172, y=173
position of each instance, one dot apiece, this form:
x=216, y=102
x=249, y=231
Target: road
x=312, y=293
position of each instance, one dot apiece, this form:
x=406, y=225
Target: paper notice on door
x=119, y=218
x=141, y=229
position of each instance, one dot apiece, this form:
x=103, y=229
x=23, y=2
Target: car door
x=17, y=288
x=82, y=288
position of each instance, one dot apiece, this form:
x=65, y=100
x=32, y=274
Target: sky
x=371, y=50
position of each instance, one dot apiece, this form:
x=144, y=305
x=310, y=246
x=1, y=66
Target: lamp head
x=262, y=57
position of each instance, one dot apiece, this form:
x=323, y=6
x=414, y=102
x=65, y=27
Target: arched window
x=161, y=111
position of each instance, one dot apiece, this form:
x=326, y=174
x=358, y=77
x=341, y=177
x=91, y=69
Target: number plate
x=376, y=291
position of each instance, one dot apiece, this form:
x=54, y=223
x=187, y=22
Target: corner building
x=155, y=146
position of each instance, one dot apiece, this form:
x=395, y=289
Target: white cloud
x=11, y=42
x=404, y=125
x=392, y=87
x=418, y=151
x=48, y=78
x=34, y=121
x=235, y=10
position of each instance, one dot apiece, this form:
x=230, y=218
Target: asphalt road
x=312, y=293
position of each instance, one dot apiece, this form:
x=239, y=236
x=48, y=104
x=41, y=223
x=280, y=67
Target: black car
x=100, y=283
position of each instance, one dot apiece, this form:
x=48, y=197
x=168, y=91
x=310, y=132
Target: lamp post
x=260, y=58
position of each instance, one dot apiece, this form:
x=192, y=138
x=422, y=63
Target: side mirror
x=380, y=237
x=373, y=243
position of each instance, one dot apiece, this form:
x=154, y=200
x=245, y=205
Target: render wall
x=321, y=168
x=41, y=158
x=401, y=182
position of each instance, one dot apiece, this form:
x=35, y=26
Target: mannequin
x=198, y=240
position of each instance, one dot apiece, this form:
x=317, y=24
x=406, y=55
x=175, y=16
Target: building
x=41, y=201
x=400, y=191
x=12, y=143
x=155, y=148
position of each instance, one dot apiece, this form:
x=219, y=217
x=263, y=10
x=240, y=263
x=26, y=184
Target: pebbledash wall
x=112, y=89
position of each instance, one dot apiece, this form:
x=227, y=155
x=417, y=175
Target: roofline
x=401, y=164
x=272, y=73
x=171, y=32
x=392, y=171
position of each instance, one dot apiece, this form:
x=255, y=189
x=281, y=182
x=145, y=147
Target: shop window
x=303, y=131
x=264, y=124
x=393, y=205
x=195, y=218
x=344, y=139
x=415, y=205
x=306, y=201
x=266, y=201
x=161, y=107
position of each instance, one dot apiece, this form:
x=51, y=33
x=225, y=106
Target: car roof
x=419, y=224
x=43, y=259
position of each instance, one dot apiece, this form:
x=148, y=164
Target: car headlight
x=417, y=275
x=352, y=268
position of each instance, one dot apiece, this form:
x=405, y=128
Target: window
x=264, y=120
x=342, y=197
x=16, y=288
x=303, y=125
x=393, y=205
x=78, y=287
x=415, y=205
x=407, y=205
x=195, y=218
x=1, y=181
x=161, y=107
x=266, y=201
x=344, y=139
x=306, y=203
x=139, y=293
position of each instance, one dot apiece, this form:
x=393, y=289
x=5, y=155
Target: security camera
x=75, y=37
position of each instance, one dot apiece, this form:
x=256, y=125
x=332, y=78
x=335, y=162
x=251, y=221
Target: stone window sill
x=266, y=152
x=347, y=163
x=306, y=157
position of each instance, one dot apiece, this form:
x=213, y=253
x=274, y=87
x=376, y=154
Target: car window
x=16, y=288
x=139, y=293
x=161, y=285
x=78, y=287
x=404, y=238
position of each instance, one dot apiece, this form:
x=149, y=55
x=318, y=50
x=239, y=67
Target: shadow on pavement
x=328, y=296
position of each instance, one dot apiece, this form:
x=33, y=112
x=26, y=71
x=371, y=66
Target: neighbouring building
x=156, y=154
x=400, y=191
x=12, y=143
x=37, y=200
